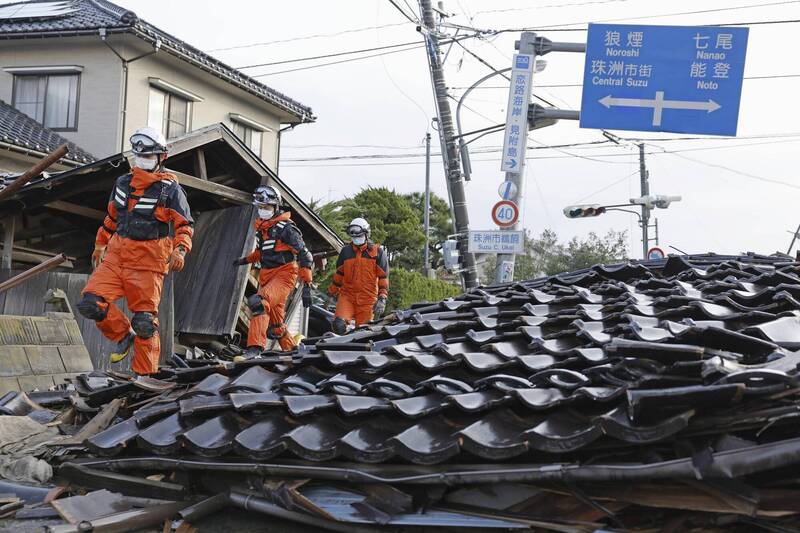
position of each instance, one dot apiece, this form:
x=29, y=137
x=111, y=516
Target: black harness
x=270, y=258
x=140, y=223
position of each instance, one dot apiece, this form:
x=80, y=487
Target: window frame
x=164, y=127
x=250, y=127
x=47, y=75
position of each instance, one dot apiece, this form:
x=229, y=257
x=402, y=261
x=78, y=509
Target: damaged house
x=648, y=396
x=87, y=73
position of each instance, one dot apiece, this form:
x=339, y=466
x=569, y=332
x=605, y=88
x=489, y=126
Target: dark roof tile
x=20, y=130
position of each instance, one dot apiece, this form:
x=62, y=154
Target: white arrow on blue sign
x=519, y=97
x=683, y=79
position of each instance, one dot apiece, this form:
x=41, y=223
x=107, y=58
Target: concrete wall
x=219, y=99
x=39, y=352
x=100, y=84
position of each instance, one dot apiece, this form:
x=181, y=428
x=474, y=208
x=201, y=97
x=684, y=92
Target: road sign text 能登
x=683, y=79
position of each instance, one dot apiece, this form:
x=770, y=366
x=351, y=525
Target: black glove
x=306, y=296
x=379, y=307
x=239, y=262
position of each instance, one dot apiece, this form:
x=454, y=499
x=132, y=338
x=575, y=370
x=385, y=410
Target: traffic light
x=584, y=210
x=660, y=200
x=450, y=254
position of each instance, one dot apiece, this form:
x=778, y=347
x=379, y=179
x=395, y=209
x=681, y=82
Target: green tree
x=546, y=256
x=441, y=225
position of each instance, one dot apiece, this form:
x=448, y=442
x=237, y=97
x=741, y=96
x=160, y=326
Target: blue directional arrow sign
x=684, y=79
x=519, y=97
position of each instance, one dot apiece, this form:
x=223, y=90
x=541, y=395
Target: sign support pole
x=645, y=185
x=426, y=271
x=504, y=272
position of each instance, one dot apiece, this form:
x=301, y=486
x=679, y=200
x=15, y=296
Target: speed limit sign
x=505, y=213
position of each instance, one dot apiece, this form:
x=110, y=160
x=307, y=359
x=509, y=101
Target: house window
x=250, y=136
x=169, y=113
x=50, y=99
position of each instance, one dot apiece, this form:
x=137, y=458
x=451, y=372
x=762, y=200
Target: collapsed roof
x=627, y=396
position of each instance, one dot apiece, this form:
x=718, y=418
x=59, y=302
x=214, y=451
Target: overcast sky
x=383, y=105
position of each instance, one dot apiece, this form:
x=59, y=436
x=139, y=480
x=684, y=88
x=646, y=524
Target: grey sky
x=386, y=103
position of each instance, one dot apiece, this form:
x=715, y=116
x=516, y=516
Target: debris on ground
x=658, y=395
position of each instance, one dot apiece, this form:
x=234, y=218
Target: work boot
x=123, y=348
x=252, y=352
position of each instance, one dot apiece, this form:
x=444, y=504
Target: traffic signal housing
x=584, y=210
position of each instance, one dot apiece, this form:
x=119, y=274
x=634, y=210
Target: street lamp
x=649, y=201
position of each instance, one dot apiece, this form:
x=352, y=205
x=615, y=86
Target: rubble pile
x=654, y=396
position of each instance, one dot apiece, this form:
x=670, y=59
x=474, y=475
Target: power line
x=734, y=171
x=547, y=7
x=413, y=46
x=552, y=28
x=402, y=12
x=696, y=12
x=334, y=54
x=541, y=147
x=306, y=37
x=490, y=66
x=606, y=187
x=416, y=47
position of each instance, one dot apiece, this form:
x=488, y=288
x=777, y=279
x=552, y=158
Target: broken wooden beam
x=34, y=171
x=21, y=278
x=217, y=189
x=75, y=209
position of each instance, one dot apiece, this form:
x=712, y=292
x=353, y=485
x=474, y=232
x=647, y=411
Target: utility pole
x=645, y=184
x=504, y=272
x=427, y=213
x=452, y=167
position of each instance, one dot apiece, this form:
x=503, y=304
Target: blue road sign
x=683, y=79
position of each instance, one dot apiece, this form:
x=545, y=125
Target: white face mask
x=358, y=241
x=266, y=213
x=145, y=163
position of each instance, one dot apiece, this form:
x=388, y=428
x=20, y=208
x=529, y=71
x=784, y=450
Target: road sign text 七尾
x=684, y=79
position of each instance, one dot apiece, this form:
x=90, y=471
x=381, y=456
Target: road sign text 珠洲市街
x=684, y=79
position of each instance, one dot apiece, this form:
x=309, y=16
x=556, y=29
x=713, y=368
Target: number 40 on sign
x=505, y=213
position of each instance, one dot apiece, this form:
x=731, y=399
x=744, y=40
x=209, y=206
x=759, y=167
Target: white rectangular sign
x=495, y=242
x=519, y=98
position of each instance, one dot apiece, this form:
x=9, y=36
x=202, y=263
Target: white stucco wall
x=99, y=90
x=100, y=104
x=220, y=99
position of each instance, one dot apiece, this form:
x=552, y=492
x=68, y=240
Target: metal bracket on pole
x=540, y=116
x=544, y=46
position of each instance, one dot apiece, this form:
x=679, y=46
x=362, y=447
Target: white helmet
x=358, y=226
x=267, y=195
x=148, y=140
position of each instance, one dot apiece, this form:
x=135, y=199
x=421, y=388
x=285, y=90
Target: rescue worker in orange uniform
x=134, y=251
x=361, y=282
x=282, y=257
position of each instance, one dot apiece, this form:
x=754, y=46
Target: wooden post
x=8, y=241
x=167, y=319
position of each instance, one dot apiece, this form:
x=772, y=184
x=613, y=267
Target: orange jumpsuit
x=138, y=246
x=362, y=274
x=279, y=249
